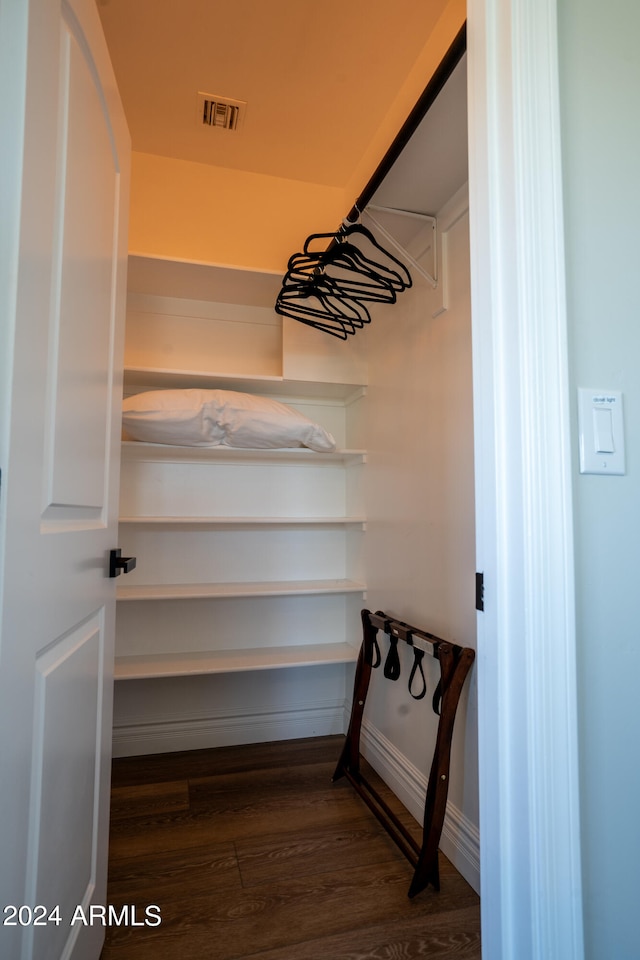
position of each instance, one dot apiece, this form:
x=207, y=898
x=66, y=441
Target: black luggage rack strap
x=455, y=663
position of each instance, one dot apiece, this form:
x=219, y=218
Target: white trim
x=453, y=211
x=133, y=737
x=529, y=811
x=460, y=841
x=14, y=25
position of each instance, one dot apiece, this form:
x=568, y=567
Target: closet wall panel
x=419, y=548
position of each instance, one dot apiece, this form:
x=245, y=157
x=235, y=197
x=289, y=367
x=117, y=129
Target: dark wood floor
x=252, y=852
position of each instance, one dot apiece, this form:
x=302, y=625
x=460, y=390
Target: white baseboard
x=135, y=737
x=460, y=841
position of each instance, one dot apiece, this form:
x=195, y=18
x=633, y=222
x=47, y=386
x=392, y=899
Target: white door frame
x=529, y=799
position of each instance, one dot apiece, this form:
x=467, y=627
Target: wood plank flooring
x=251, y=851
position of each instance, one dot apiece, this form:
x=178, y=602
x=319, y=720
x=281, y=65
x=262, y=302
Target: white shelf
x=174, y=378
x=170, y=480
x=240, y=521
x=152, y=666
x=270, y=588
x=194, y=280
x=137, y=450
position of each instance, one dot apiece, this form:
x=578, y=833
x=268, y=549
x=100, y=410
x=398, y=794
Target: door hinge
x=479, y=591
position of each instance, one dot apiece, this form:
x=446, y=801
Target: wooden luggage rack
x=455, y=663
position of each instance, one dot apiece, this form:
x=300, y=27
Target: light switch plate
x=601, y=428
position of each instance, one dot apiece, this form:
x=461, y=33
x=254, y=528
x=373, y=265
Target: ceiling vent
x=220, y=112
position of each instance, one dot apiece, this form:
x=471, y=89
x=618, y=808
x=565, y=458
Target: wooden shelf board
x=240, y=521
x=275, y=588
x=152, y=666
x=198, y=280
x=138, y=450
x=169, y=377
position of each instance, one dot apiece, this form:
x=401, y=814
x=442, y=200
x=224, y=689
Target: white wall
x=600, y=83
x=419, y=501
x=194, y=713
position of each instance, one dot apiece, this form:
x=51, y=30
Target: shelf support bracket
x=431, y=222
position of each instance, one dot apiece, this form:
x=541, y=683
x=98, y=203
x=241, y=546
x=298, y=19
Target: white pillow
x=209, y=418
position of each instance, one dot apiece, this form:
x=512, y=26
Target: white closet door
x=59, y=479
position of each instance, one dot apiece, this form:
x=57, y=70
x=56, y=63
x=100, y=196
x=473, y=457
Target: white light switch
x=601, y=431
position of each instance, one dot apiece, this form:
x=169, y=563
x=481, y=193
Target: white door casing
x=65, y=239
x=527, y=717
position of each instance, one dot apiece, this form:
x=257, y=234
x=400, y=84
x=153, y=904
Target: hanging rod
x=445, y=68
x=337, y=324
x=427, y=98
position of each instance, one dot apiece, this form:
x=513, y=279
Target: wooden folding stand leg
x=455, y=663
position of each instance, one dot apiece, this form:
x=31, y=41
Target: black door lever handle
x=119, y=564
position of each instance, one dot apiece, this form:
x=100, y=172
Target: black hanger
x=341, y=283
x=334, y=316
x=342, y=252
x=321, y=294
x=328, y=288
x=345, y=262
x=316, y=299
x=359, y=229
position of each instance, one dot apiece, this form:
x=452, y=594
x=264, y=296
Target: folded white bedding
x=209, y=418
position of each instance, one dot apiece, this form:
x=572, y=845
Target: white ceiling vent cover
x=220, y=112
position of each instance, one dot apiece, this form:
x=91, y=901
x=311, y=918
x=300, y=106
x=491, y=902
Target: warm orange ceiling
x=319, y=78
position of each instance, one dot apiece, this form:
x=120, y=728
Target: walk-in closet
x=241, y=621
